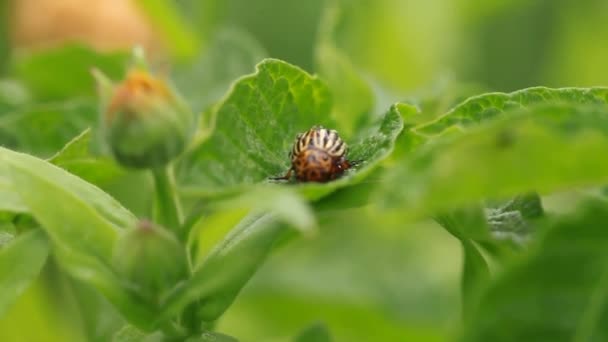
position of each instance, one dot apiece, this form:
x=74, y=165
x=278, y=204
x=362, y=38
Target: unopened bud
x=145, y=121
x=150, y=259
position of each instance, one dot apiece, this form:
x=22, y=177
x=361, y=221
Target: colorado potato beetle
x=318, y=155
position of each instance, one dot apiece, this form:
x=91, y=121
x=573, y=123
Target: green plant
x=152, y=222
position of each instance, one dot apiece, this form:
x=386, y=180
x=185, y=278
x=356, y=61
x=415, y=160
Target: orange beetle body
x=318, y=155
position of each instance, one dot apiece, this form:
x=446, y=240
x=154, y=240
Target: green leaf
x=44, y=129
x=12, y=95
x=212, y=336
x=83, y=225
x=9, y=198
x=543, y=148
x=285, y=204
x=77, y=158
x=20, y=263
x=465, y=223
x=32, y=176
x=468, y=225
x=255, y=129
x=64, y=72
x=219, y=278
x=317, y=332
x=478, y=109
x=557, y=291
x=230, y=54
x=475, y=274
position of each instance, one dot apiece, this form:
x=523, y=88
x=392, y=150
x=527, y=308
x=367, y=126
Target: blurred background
x=366, y=277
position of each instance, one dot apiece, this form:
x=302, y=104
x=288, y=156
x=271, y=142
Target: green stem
x=167, y=206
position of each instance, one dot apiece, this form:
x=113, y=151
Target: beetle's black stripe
x=337, y=149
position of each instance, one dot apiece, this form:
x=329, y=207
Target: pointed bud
x=144, y=120
x=151, y=259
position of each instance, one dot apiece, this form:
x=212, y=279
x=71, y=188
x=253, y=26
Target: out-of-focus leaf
x=219, y=278
x=9, y=198
x=176, y=33
x=77, y=158
x=230, y=54
x=129, y=333
x=475, y=274
x=317, y=332
x=284, y=204
x=352, y=95
x=5, y=50
x=12, y=95
x=20, y=263
x=42, y=312
x=419, y=36
x=542, y=148
x=212, y=336
x=64, y=72
x=557, y=291
x=468, y=225
x=44, y=129
x=255, y=129
x=478, y=109
x=83, y=224
x=100, y=319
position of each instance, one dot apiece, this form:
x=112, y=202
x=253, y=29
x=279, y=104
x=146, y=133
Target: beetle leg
x=286, y=177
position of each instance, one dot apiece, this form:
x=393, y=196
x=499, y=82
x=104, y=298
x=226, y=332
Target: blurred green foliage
x=482, y=220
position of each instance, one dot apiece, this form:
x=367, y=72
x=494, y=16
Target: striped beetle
x=318, y=155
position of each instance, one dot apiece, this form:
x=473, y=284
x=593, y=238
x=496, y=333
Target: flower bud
x=145, y=122
x=150, y=259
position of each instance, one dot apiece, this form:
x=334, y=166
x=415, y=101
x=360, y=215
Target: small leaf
x=20, y=263
x=77, y=158
x=556, y=291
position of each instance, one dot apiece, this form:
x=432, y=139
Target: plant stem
x=167, y=207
